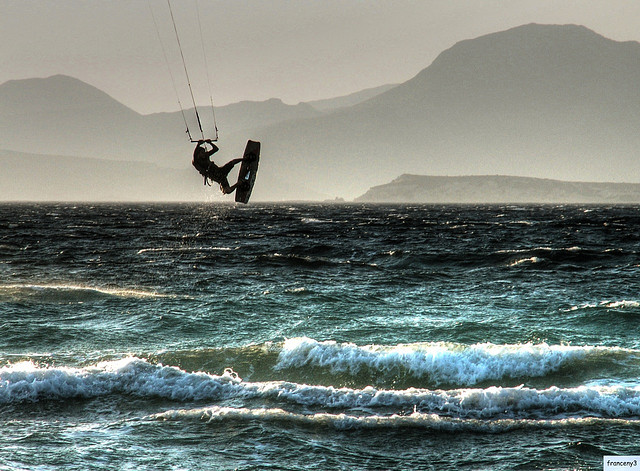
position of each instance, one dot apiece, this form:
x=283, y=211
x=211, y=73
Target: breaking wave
x=27, y=382
x=441, y=363
x=433, y=422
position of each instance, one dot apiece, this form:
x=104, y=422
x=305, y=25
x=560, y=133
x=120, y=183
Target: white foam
x=620, y=304
x=314, y=221
x=540, y=249
x=351, y=421
x=624, y=304
x=35, y=289
x=441, y=363
x=606, y=401
x=300, y=289
x=524, y=260
x=187, y=249
x=27, y=382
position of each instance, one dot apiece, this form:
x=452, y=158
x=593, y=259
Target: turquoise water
x=318, y=336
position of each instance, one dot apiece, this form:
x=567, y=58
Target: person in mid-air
x=210, y=170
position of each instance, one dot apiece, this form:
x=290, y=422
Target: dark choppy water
x=318, y=337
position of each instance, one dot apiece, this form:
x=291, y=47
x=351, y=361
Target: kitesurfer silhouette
x=209, y=170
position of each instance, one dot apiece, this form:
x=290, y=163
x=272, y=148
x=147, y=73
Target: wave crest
x=342, y=421
x=27, y=382
x=439, y=363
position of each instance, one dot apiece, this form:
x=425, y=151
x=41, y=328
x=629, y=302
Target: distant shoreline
x=499, y=189
x=232, y=204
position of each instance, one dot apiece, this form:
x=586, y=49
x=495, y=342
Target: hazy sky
x=258, y=49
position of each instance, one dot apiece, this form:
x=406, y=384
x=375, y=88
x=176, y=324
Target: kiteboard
x=248, y=171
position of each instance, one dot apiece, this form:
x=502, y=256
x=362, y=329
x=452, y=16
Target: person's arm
x=213, y=150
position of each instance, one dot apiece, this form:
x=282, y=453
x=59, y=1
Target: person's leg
x=224, y=186
x=226, y=168
x=232, y=188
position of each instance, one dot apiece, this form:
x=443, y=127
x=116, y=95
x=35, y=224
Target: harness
x=206, y=179
x=203, y=171
x=206, y=174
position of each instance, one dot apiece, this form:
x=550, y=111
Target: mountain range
x=545, y=101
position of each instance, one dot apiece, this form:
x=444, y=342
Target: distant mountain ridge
x=63, y=115
x=332, y=104
x=542, y=101
x=499, y=189
x=53, y=95
x=538, y=100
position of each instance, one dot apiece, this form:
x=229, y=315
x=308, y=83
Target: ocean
x=318, y=336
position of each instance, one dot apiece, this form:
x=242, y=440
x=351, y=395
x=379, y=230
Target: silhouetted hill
x=65, y=116
x=549, y=101
x=537, y=100
x=58, y=95
x=498, y=189
x=332, y=104
x=238, y=117
x=62, y=115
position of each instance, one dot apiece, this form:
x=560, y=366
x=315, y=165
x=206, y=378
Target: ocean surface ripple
x=318, y=336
